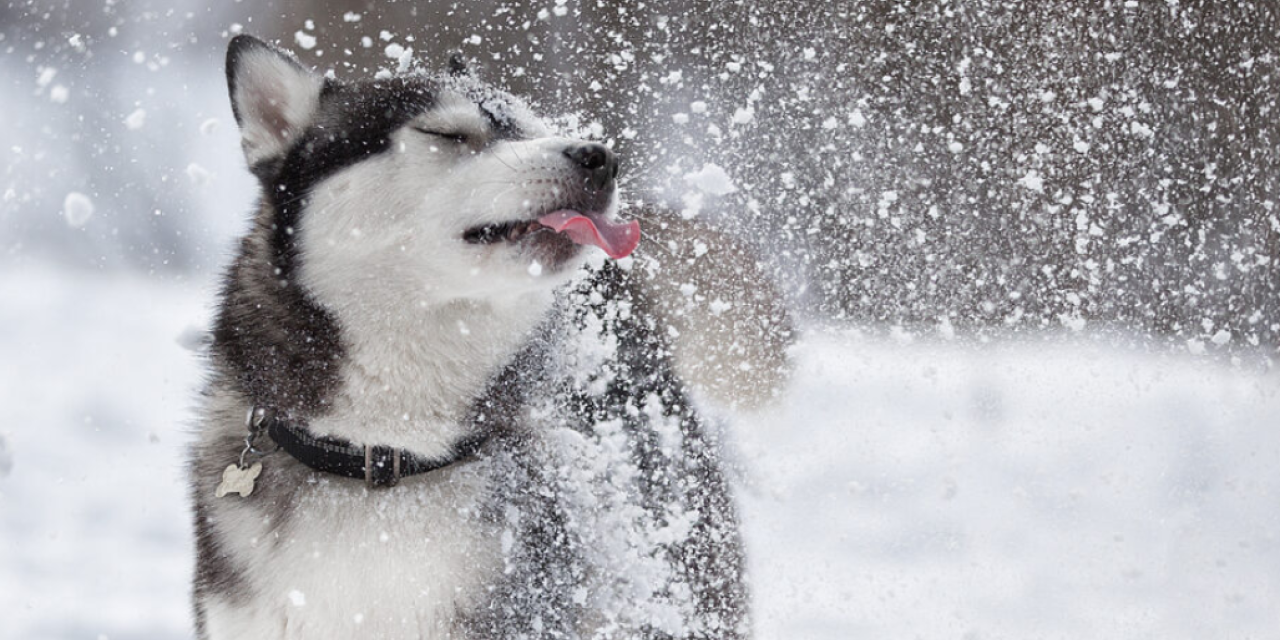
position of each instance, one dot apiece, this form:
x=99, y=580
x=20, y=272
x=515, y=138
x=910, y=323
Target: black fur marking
x=281, y=348
x=355, y=121
x=216, y=574
x=710, y=560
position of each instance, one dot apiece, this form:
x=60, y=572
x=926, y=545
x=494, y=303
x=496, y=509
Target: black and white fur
x=357, y=307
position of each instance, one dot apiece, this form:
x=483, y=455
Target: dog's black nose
x=600, y=163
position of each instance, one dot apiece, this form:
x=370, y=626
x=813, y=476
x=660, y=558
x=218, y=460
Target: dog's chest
x=392, y=564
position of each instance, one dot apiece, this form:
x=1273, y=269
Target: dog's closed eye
x=457, y=138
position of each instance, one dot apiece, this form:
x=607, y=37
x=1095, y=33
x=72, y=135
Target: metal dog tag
x=237, y=480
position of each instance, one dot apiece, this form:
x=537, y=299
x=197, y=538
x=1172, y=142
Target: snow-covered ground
x=1032, y=490
x=94, y=400
x=1009, y=490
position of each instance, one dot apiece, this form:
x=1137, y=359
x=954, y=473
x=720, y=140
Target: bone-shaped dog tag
x=237, y=480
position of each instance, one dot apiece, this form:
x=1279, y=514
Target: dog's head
x=434, y=188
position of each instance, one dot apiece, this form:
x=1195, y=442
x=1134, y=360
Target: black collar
x=379, y=466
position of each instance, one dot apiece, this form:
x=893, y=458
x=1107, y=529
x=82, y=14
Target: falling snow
x=304, y=40
x=136, y=119
x=77, y=208
x=713, y=179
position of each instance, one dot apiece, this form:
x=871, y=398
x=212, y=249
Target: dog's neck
x=365, y=354
x=412, y=371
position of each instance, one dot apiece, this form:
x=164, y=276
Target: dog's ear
x=273, y=96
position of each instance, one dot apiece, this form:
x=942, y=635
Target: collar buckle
x=381, y=466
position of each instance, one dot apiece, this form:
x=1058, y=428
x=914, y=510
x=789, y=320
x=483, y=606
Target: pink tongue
x=618, y=239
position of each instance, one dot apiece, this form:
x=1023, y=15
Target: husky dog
x=425, y=418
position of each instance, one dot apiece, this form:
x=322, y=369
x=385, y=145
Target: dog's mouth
x=505, y=232
x=617, y=238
